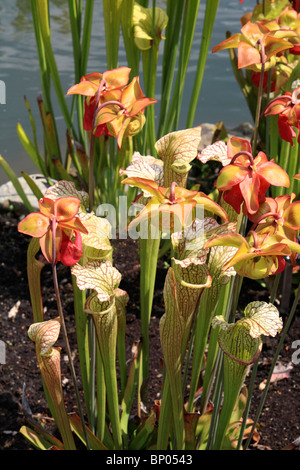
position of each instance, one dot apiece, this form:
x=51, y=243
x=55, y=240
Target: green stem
x=82, y=343
x=165, y=416
x=283, y=162
x=174, y=12
x=106, y=331
x=66, y=340
x=293, y=162
x=213, y=348
x=217, y=402
x=259, y=97
x=148, y=258
x=92, y=373
x=187, y=35
x=248, y=404
x=150, y=58
x=101, y=397
x=209, y=19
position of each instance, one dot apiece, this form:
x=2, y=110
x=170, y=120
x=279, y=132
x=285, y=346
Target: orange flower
x=176, y=201
x=287, y=107
x=98, y=88
x=259, y=254
x=249, y=55
x=246, y=179
x=280, y=216
x=56, y=224
x=124, y=116
x=112, y=106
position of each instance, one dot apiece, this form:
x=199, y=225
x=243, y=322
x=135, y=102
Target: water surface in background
x=220, y=98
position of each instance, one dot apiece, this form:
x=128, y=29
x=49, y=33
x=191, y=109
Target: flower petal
x=210, y=206
x=274, y=174
x=34, y=224
x=247, y=55
x=70, y=251
x=235, y=145
x=85, y=88
x=65, y=208
x=146, y=185
x=292, y=216
x=116, y=78
x=228, y=43
x=230, y=176
x=250, y=188
x=46, y=245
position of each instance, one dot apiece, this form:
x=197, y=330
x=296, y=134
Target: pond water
x=220, y=98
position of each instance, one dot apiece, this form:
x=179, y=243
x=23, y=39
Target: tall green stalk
x=149, y=248
x=42, y=12
x=187, y=36
x=208, y=23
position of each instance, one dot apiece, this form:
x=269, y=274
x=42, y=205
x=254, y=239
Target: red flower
x=246, y=179
x=287, y=107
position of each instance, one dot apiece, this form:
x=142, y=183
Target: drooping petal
x=234, y=198
x=70, y=251
x=46, y=244
x=122, y=131
x=73, y=224
x=34, y=224
x=269, y=205
x=275, y=45
x=107, y=114
x=286, y=131
x=250, y=188
x=150, y=211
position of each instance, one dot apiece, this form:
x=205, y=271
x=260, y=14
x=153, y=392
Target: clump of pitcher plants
x=245, y=229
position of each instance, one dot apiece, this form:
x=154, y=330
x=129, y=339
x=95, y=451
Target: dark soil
x=279, y=423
